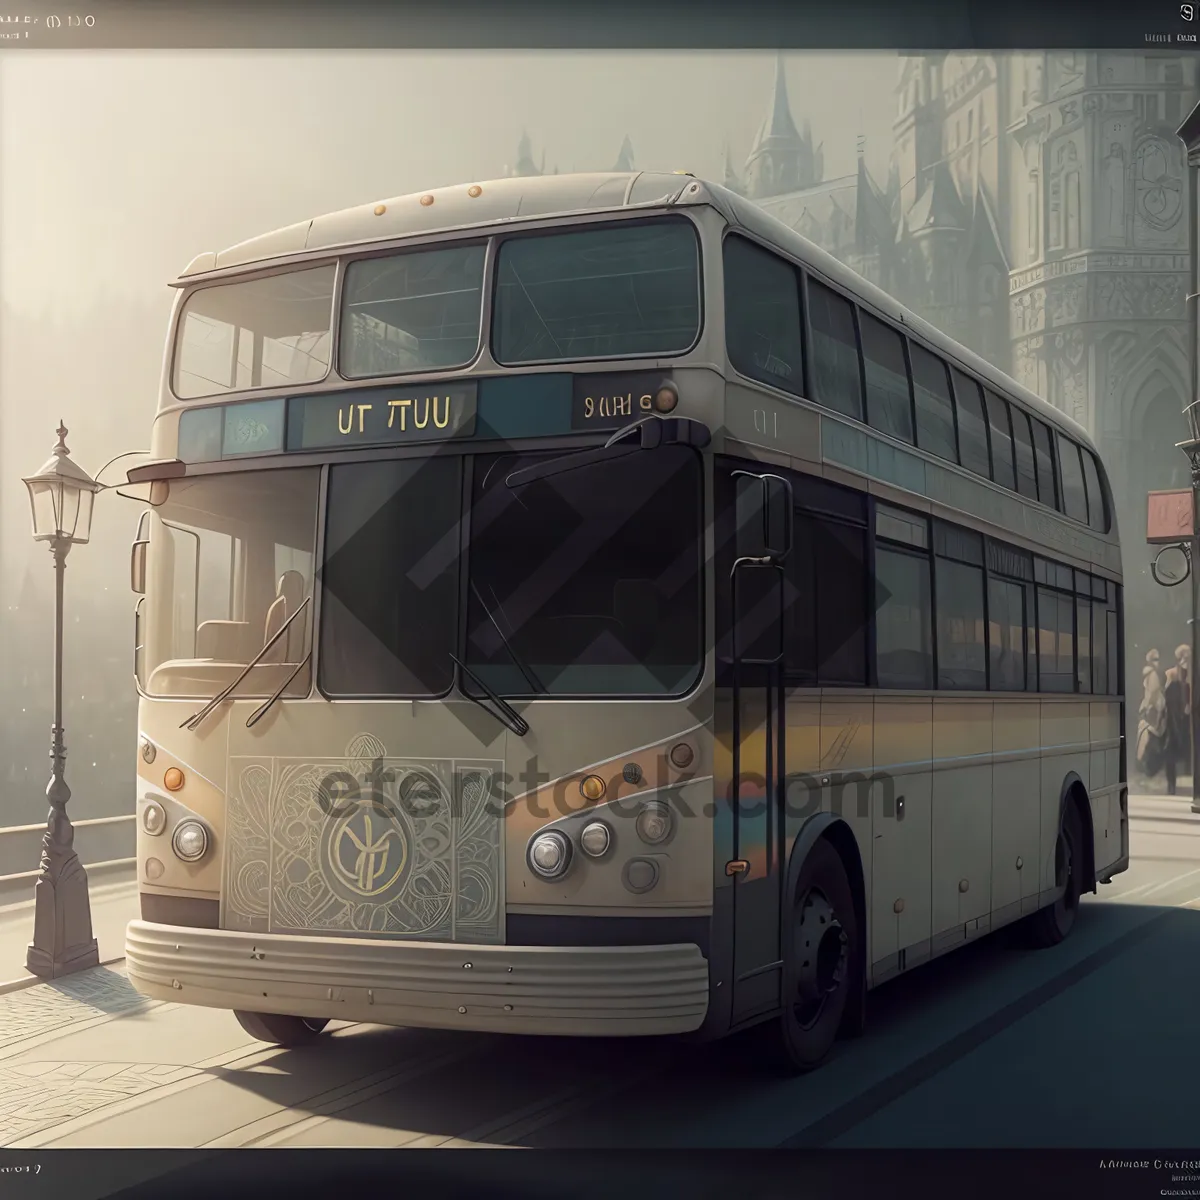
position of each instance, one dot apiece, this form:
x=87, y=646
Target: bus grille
x=363, y=847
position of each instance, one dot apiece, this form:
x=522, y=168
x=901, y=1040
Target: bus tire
x=1051, y=925
x=820, y=966
x=281, y=1029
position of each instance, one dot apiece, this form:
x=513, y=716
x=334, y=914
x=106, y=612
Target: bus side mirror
x=764, y=516
x=137, y=568
x=777, y=517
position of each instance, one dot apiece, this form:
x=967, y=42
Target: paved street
x=1091, y=1044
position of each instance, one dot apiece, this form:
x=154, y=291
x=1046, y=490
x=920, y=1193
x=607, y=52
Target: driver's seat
x=289, y=595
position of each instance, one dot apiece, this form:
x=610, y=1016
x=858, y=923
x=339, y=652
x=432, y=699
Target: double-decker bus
x=580, y=605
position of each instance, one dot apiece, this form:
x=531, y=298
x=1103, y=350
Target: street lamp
x=1189, y=134
x=61, y=496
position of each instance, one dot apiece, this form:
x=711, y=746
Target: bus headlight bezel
x=181, y=830
x=600, y=836
x=553, y=837
x=655, y=809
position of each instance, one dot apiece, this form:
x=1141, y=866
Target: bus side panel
x=901, y=836
x=1016, y=808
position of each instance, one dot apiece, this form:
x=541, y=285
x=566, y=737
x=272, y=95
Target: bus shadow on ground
x=431, y=1085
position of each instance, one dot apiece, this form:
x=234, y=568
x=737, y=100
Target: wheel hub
x=821, y=950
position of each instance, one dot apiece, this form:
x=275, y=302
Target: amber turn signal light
x=592, y=788
x=173, y=779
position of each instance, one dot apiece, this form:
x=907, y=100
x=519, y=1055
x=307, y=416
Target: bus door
x=758, y=606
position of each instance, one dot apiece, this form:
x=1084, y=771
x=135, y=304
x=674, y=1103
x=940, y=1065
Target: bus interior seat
x=222, y=641
x=289, y=595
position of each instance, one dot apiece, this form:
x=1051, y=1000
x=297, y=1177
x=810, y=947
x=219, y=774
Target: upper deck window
x=272, y=332
x=619, y=291
x=762, y=315
x=935, y=408
x=417, y=311
x=1075, y=497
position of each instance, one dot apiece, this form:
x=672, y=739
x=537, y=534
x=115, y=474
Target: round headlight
x=595, y=839
x=654, y=824
x=190, y=841
x=154, y=819
x=550, y=854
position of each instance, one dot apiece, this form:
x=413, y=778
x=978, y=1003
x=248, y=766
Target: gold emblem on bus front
x=367, y=852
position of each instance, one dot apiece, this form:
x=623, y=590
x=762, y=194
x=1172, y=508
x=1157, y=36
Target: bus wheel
x=1050, y=925
x=820, y=965
x=280, y=1029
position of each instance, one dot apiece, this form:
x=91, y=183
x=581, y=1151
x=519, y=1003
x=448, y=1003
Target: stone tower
x=782, y=159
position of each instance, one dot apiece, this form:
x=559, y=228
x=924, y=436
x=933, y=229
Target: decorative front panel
x=365, y=845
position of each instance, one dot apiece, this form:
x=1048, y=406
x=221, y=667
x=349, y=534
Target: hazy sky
x=116, y=169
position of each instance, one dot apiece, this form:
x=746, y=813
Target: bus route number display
x=612, y=401
x=381, y=417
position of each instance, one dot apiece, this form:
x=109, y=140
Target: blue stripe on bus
x=524, y=406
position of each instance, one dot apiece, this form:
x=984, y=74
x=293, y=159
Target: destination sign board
x=611, y=401
x=381, y=416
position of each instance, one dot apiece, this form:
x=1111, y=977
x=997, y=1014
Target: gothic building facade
x=1035, y=209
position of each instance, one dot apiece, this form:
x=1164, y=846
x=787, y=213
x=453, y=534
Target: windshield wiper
x=648, y=433
x=260, y=712
x=535, y=684
x=194, y=721
x=504, y=712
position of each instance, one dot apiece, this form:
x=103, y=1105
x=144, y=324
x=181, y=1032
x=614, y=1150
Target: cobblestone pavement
x=41, y=1094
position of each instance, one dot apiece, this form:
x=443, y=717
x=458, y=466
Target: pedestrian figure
x=1152, y=719
x=1177, y=749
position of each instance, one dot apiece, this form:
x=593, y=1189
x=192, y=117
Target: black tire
x=1051, y=925
x=822, y=979
x=280, y=1029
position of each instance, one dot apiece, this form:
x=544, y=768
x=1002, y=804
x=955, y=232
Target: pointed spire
x=781, y=123
x=781, y=160
x=624, y=161
x=731, y=179
x=525, y=164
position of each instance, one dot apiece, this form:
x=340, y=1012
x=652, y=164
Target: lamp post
x=61, y=496
x=1189, y=133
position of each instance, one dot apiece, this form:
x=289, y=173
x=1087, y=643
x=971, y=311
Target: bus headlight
x=190, y=841
x=654, y=824
x=154, y=819
x=595, y=839
x=550, y=854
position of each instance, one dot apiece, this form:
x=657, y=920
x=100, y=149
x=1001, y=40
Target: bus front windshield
x=587, y=583
x=229, y=565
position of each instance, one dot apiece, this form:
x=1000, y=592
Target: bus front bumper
x=591, y=991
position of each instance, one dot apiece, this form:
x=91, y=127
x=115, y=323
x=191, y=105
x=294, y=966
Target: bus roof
x=462, y=206
x=525, y=198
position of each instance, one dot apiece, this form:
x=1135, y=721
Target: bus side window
x=1097, y=503
x=1043, y=453
x=763, y=329
x=889, y=391
x=972, y=427
x=837, y=380
x=903, y=600
x=1000, y=437
x=1023, y=453
x=935, y=408
x=1075, y=498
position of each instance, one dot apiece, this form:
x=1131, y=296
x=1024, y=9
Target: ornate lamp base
x=62, y=925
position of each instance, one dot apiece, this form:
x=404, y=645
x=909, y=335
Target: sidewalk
x=114, y=905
